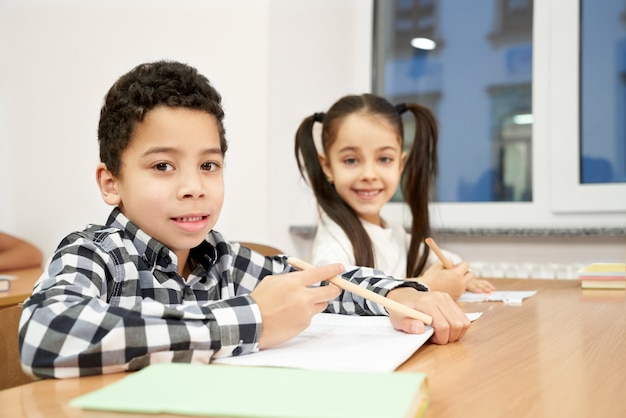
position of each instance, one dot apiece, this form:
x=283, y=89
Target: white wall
x=320, y=51
x=274, y=61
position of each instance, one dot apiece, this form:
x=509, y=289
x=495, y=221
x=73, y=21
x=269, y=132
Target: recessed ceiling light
x=423, y=43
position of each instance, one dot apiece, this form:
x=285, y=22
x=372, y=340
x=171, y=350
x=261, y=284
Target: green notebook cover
x=244, y=391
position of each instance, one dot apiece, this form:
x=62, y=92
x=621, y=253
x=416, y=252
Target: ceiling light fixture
x=423, y=43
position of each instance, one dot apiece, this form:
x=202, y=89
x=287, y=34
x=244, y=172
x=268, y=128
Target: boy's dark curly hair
x=161, y=83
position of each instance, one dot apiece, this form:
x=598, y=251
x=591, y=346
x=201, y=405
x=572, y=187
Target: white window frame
x=559, y=201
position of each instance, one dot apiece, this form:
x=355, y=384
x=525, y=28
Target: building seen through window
x=603, y=92
x=477, y=79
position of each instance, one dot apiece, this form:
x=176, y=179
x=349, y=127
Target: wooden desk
x=561, y=353
x=21, y=287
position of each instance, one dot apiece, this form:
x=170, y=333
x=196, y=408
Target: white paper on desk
x=340, y=342
x=506, y=296
x=473, y=316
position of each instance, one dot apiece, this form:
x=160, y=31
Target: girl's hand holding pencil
x=472, y=283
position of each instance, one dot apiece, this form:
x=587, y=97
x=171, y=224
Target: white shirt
x=391, y=244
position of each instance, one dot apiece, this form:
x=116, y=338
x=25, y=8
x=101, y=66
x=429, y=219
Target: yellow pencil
x=444, y=260
x=367, y=294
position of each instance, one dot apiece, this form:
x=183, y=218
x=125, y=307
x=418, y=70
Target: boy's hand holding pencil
x=287, y=302
x=409, y=309
x=391, y=305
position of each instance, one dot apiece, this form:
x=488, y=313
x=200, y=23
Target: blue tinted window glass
x=603, y=91
x=477, y=80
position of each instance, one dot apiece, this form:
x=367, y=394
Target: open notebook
x=340, y=342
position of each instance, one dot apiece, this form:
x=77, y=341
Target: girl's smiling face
x=365, y=164
x=171, y=182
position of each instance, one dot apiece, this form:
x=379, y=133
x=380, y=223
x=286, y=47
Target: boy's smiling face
x=171, y=180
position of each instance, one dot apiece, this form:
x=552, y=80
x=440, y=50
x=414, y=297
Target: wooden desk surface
x=21, y=287
x=561, y=353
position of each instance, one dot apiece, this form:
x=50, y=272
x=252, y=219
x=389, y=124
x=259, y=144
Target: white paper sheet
x=341, y=342
x=506, y=296
x=473, y=316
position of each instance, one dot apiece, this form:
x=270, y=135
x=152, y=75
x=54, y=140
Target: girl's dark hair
x=149, y=85
x=420, y=171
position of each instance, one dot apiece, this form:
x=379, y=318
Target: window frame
x=559, y=200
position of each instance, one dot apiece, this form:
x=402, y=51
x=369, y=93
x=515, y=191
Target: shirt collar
x=148, y=248
x=204, y=254
x=155, y=252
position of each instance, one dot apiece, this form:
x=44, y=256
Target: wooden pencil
x=433, y=246
x=367, y=294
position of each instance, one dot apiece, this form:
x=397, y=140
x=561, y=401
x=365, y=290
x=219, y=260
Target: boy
x=156, y=283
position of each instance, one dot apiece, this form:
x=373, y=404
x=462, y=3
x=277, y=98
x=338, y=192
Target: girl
x=358, y=172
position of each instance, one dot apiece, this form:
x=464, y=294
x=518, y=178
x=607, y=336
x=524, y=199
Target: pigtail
x=420, y=173
x=327, y=197
x=306, y=154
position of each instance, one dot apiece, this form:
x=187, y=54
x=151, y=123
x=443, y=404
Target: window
x=568, y=105
x=602, y=88
x=507, y=92
x=485, y=92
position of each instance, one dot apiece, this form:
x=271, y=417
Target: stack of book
x=603, y=276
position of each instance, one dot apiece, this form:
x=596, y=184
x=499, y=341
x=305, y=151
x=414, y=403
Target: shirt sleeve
x=257, y=266
x=331, y=245
x=68, y=328
x=371, y=279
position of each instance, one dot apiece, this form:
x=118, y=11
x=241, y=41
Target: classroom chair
x=10, y=370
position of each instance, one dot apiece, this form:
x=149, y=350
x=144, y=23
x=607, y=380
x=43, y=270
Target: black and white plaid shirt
x=111, y=299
